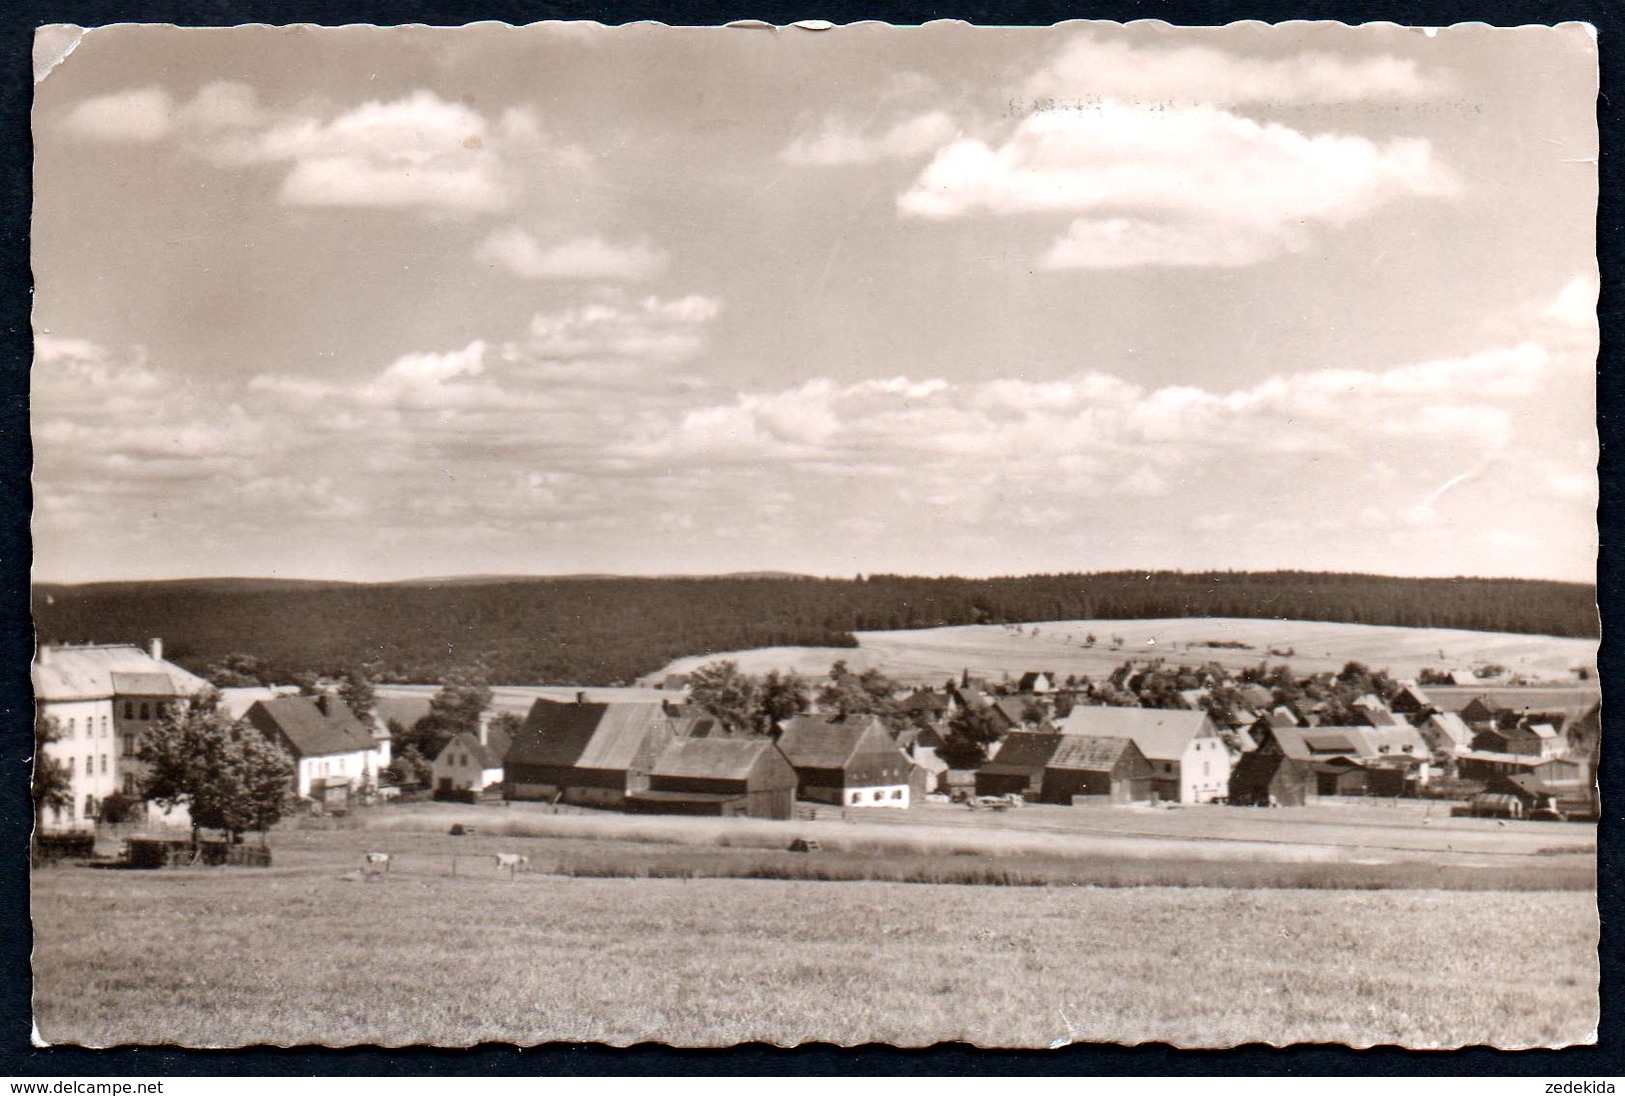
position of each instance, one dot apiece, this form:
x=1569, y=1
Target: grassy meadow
x=1344, y=924
x=228, y=957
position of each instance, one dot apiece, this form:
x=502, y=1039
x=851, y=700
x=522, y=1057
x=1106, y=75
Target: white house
x=1189, y=761
x=467, y=764
x=102, y=697
x=336, y=755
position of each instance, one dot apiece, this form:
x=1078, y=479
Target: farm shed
x=1189, y=759
x=727, y=777
x=588, y=753
x=850, y=761
x=1019, y=768
x=1340, y=776
x=1530, y=790
x=1269, y=778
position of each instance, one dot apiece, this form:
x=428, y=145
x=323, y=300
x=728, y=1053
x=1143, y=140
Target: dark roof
x=924, y=700
x=1030, y=678
x=712, y=758
x=1022, y=752
x=405, y=710
x=143, y=684
x=604, y=736
x=1014, y=708
x=825, y=742
x=310, y=732
x=1092, y=753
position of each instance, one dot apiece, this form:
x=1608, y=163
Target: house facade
x=102, y=698
x=852, y=761
x=466, y=764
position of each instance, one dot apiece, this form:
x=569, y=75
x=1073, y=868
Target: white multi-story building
x=102, y=697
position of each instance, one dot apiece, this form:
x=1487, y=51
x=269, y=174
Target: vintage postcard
x=857, y=534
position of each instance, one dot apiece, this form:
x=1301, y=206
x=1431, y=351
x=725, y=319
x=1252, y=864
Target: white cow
x=513, y=861
x=377, y=861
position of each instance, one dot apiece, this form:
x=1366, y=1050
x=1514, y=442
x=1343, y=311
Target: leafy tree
x=52, y=787
x=868, y=693
x=509, y=723
x=356, y=690
x=409, y=767
x=782, y=696
x=734, y=698
x=236, y=671
x=229, y=776
x=464, y=696
x=970, y=733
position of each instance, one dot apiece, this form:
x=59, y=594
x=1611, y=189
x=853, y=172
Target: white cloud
x=417, y=152
x=839, y=141
x=587, y=258
x=138, y=116
x=1091, y=67
x=1184, y=186
x=1576, y=305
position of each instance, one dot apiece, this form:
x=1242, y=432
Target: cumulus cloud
x=1187, y=186
x=1091, y=66
x=839, y=141
x=416, y=152
x=589, y=258
x=137, y=116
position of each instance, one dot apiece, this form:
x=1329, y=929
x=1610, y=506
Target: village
x=722, y=743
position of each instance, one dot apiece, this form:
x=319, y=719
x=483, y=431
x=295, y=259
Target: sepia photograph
x=863, y=534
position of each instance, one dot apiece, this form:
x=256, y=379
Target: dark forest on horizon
x=604, y=630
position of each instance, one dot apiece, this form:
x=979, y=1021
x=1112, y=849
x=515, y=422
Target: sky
x=370, y=304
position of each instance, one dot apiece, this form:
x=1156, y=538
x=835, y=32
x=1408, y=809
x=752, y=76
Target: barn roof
x=93, y=672
x=1160, y=733
x=589, y=735
x=1092, y=753
x=712, y=758
x=305, y=726
x=829, y=742
x=1022, y=752
x=405, y=710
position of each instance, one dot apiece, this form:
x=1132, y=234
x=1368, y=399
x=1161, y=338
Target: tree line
x=602, y=631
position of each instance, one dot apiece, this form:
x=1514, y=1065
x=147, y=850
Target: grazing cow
x=377, y=861
x=513, y=861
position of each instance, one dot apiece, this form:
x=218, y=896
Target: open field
x=302, y=955
x=932, y=655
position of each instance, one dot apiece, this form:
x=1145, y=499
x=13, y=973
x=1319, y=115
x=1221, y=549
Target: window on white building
x=90, y=806
x=129, y=710
x=104, y=726
x=73, y=763
x=73, y=726
x=146, y=712
x=104, y=764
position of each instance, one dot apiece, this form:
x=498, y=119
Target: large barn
x=726, y=777
x=1055, y=768
x=1190, y=761
x=593, y=754
x=851, y=761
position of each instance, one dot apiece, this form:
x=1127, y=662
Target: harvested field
x=932, y=655
x=302, y=955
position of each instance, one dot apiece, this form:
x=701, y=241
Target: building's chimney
x=44, y=654
x=155, y=648
x=324, y=702
x=581, y=698
x=485, y=728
